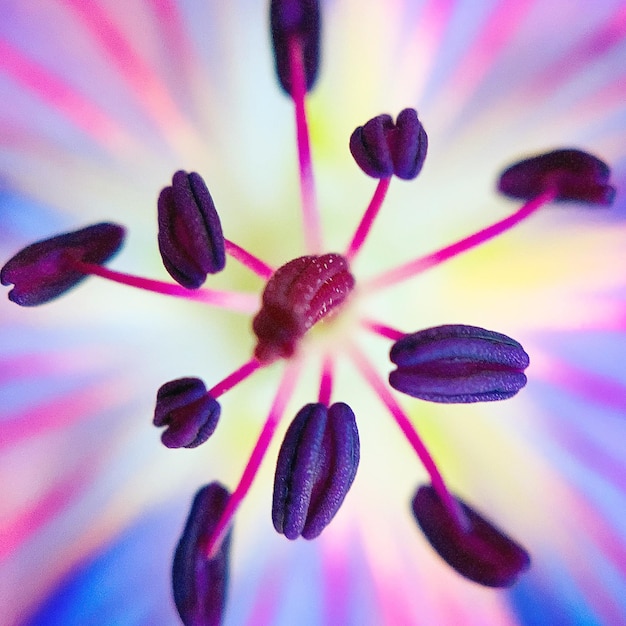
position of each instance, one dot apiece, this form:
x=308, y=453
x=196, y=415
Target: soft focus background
x=101, y=101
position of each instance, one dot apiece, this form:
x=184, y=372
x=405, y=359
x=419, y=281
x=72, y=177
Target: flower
x=122, y=491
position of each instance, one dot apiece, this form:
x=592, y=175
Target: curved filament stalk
x=310, y=212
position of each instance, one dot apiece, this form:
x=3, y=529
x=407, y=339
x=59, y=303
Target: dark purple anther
x=295, y=20
x=382, y=148
x=47, y=269
x=316, y=465
x=190, y=234
x=200, y=583
x=458, y=364
x=299, y=294
x=481, y=552
x=189, y=413
x=576, y=175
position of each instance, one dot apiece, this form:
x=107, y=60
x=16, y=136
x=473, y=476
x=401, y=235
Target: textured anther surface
x=299, y=19
x=316, y=466
x=576, y=175
x=482, y=553
x=200, y=583
x=45, y=270
x=383, y=149
x=458, y=364
x=190, y=414
x=190, y=236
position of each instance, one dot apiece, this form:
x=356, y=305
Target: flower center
x=299, y=294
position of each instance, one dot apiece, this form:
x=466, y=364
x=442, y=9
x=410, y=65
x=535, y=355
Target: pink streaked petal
x=411, y=590
x=337, y=579
x=62, y=411
x=594, y=388
x=57, y=93
x=598, y=42
x=144, y=83
x=267, y=602
x=424, y=43
x=499, y=27
x=586, y=527
x=29, y=366
x=595, y=457
x=174, y=38
x=26, y=522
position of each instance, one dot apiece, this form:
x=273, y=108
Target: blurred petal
x=103, y=101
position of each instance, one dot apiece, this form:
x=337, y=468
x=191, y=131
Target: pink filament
x=381, y=390
x=326, y=381
x=233, y=301
x=260, y=268
x=310, y=214
x=285, y=390
x=235, y=378
x=382, y=329
x=368, y=218
x=417, y=266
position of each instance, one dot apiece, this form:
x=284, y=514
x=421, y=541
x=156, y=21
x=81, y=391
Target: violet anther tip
x=47, y=269
x=383, y=149
x=295, y=21
x=200, y=583
x=458, y=364
x=190, y=236
x=576, y=176
x=482, y=553
x=316, y=466
x=188, y=411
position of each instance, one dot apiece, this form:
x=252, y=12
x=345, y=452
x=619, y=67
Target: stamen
x=230, y=300
x=382, y=329
x=260, y=268
x=368, y=218
x=417, y=266
x=188, y=412
x=310, y=213
x=326, y=381
x=316, y=466
x=380, y=388
x=240, y=374
x=285, y=390
x=456, y=363
x=191, y=241
x=382, y=148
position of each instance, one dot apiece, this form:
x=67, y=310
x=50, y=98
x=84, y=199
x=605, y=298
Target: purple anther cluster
x=295, y=21
x=190, y=233
x=457, y=363
x=479, y=551
x=189, y=413
x=200, y=580
x=316, y=466
x=47, y=269
x=575, y=175
x=383, y=149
